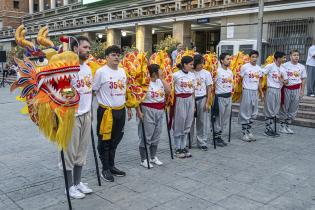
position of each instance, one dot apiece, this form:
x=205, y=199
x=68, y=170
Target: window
x=16, y=4
x=246, y=48
x=227, y=49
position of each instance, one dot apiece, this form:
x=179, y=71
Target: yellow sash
x=106, y=126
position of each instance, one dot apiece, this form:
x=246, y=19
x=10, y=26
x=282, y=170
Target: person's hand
x=262, y=96
x=301, y=94
x=140, y=115
x=129, y=114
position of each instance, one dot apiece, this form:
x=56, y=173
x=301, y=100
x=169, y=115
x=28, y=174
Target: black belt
x=199, y=98
x=215, y=108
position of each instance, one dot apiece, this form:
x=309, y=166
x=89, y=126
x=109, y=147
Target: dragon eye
x=41, y=62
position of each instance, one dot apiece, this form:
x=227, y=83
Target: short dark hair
x=185, y=60
x=253, y=52
x=294, y=51
x=75, y=42
x=198, y=59
x=112, y=49
x=153, y=68
x=223, y=56
x=278, y=54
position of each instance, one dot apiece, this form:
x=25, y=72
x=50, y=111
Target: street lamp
x=100, y=36
x=123, y=33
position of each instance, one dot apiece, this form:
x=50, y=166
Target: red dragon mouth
x=57, y=84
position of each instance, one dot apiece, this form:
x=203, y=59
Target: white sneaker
x=289, y=130
x=83, y=188
x=283, y=129
x=74, y=193
x=145, y=164
x=246, y=138
x=251, y=136
x=156, y=161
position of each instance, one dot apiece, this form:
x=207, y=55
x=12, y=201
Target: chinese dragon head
x=45, y=81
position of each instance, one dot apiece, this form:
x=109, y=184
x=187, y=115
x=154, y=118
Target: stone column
x=114, y=37
x=41, y=5
x=52, y=4
x=31, y=6
x=144, y=38
x=182, y=32
x=90, y=35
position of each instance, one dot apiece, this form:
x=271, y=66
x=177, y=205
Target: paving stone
x=235, y=202
x=211, y=194
x=267, y=174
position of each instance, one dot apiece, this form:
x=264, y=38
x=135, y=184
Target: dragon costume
x=162, y=59
x=237, y=62
x=211, y=65
x=45, y=83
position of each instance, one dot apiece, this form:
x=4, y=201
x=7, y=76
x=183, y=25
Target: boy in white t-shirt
x=273, y=93
x=202, y=102
x=75, y=155
x=293, y=91
x=251, y=74
x=110, y=84
x=221, y=108
x=151, y=113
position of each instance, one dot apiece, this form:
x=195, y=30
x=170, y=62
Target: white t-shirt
x=224, y=81
x=203, y=79
x=184, y=83
x=251, y=75
x=293, y=73
x=83, y=84
x=110, y=86
x=155, y=93
x=273, y=75
x=310, y=60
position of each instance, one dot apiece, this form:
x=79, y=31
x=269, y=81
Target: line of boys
x=193, y=90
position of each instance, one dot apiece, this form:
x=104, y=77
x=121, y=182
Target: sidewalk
x=267, y=174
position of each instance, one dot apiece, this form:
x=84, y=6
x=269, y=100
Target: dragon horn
x=20, y=38
x=42, y=38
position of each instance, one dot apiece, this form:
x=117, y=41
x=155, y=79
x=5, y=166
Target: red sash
x=291, y=87
x=159, y=106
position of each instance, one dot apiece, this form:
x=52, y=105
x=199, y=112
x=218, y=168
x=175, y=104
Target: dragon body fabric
x=138, y=77
x=237, y=62
x=162, y=59
x=45, y=83
x=211, y=65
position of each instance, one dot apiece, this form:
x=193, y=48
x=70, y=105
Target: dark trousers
x=107, y=148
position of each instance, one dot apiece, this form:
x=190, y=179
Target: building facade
x=201, y=23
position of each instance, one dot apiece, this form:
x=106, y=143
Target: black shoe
x=204, y=148
x=269, y=133
x=218, y=143
x=276, y=134
x=187, y=153
x=116, y=172
x=107, y=175
x=220, y=140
